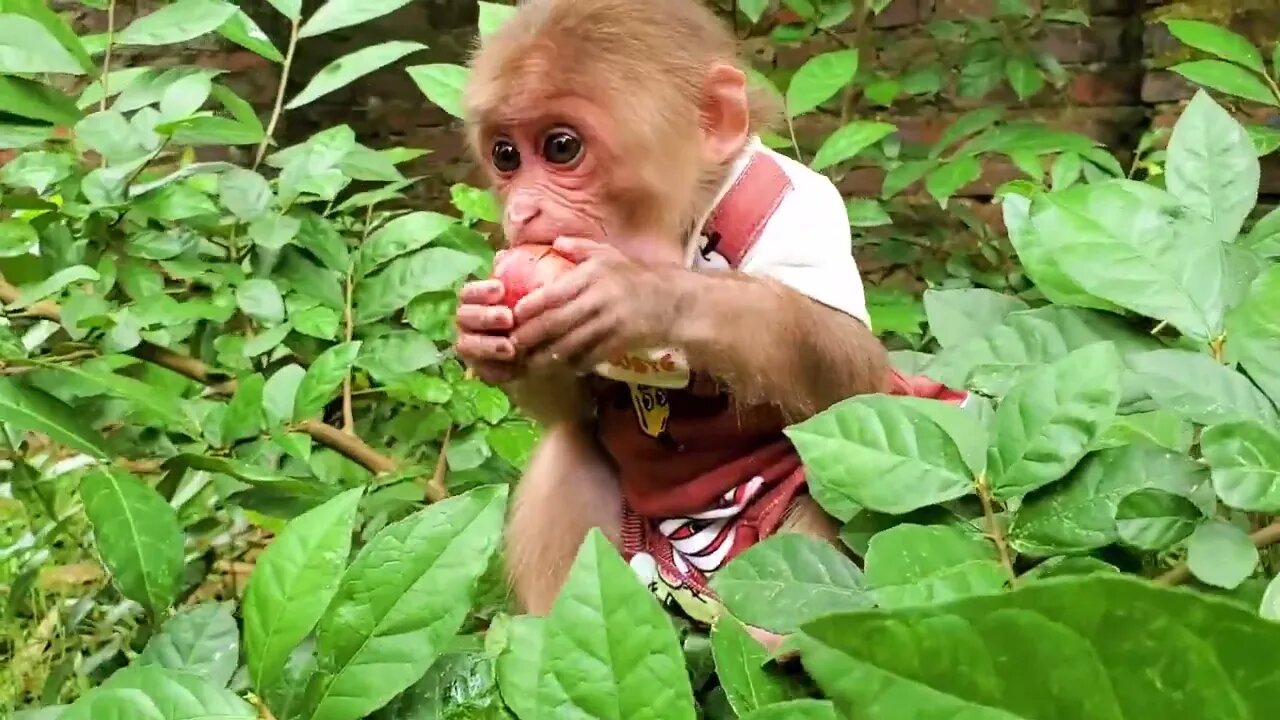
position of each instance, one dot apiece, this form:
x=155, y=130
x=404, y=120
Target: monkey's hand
x=608, y=304
x=484, y=327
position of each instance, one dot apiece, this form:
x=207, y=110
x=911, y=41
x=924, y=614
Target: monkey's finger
x=547, y=327
x=485, y=348
x=555, y=294
x=481, y=292
x=484, y=318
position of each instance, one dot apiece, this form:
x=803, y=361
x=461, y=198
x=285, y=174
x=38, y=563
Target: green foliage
x=202, y=358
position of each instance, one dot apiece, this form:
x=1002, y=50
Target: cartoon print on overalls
x=653, y=412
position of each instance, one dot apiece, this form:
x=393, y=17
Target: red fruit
x=525, y=268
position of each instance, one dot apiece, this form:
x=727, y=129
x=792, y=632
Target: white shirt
x=806, y=244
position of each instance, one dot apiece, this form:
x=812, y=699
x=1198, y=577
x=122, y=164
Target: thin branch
x=437, y=483
x=348, y=413
x=106, y=59
x=351, y=446
x=995, y=531
x=279, y=106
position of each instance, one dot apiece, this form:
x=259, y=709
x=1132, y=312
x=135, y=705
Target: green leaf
x=177, y=23
x=753, y=9
x=266, y=341
x=26, y=46
x=323, y=379
x=930, y=564
x=273, y=232
x=1078, y=514
x=280, y=392
x=395, y=354
x=293, y=582
x=889, y=454
x=352, y=66
x=243, y=31
x=319, y=236
x=1131, y=244
x=806, y=709
x=519, y=664
x=1227, y=78
x=112, y=136
x=950, y=177
x=1152, y=519
x=1158, y=426
x=1218, y=41
x=964, y=126
x=261, y=300
x=402, y=598
x=401, y=236
x=848, y=141
x=609, y=649
x=740, y=661
x=1046, y=423
x=55, y=24
x=788, y=579
x=137, y=534
x=291, y=9
x=30, y=99
x=1253, y=332
x=493, y=16
x=336, y=14
x=1195, y=387
x=429, y=270
x=243, y=418
x=1270, y=607
x=29, y=295
x=866, y=212
x=819, y=79
x=160, y=245
x=1212, y=166
x=33, y=410
x=202, y=640
x=983, y=658
x=901, y=177
x=1221, y=554
x=147, y=692
x=959, y=316
x=245, y=193
x=1244, y=460
x=442, y=83
x=164, y=407
x=1024, y=76
x=17, y=237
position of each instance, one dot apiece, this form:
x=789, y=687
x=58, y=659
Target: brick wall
x=1117, y=86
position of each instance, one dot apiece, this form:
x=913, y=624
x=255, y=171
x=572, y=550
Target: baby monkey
x=625, y=135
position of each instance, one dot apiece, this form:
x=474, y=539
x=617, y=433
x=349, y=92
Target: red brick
x=236, y=61
x=898, y=14
x=1110, y=86
x=1101, y=41
x=968, y=9
x=1160, y=86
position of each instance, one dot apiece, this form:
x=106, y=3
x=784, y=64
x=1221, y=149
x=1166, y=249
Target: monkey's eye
x=506, y=158
x=561, y=147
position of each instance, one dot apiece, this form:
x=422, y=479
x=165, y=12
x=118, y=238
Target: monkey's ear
x=726, y=119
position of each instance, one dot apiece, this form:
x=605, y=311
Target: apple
x=525, y=268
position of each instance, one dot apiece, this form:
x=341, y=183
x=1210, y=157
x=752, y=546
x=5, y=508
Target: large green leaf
x=26, y=46
x=1253, y=333
x=1035, y=241
x=1227, y=78
x=1078, y=514
x=1192, y=385
x=292, y=584
x=402, y=598
x=323, y=379
x=1244, y=460
x=805, y=709
x=137, y=535
x=157, y=405
x=889, y=454
x=1152, y=519
x=609, y=650
x=177, y=22
x=442, y=83
x=740, y=661
x=1217, y=40
x=148, y=692
x=493, y=16
x=1092, y=648
x=243, y=31
x=1134, y=245
x=336, y=14
x=33, y=410
x=519, y=663
x=202, y=640
x=820, y=78
x=401, y=236
x=959, y=316
x=848, y=141
x=931, y=564
x=788, y=579
x=1212, y=167
x=1048, y=420
x=55, y=24
x=350, y=67
x=429, y=270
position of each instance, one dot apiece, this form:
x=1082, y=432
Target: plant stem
x=994, y=529
x=279, y=106
x=106, y=58
x=348, y=415
x=1215, y=347
x=1265, y=537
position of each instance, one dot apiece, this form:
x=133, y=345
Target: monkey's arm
x=550, y=397
x=771, y=343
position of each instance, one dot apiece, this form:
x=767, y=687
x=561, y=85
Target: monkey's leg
x=568, y=488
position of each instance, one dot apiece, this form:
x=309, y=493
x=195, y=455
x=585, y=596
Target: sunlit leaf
x=820, y=78
x=177, y=22
x=147, y=692
x=323, y=379
x=1212, y=167
x=336, y=14
x=929, y=564
x=848, y=141
x=202, y=640
x=1221, y=554
x=350, y=67
x=26, y=46
x=33, y=410
x=442, y=83
x=1244, y=459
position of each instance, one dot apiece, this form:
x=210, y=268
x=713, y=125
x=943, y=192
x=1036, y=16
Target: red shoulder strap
x=737, y=221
